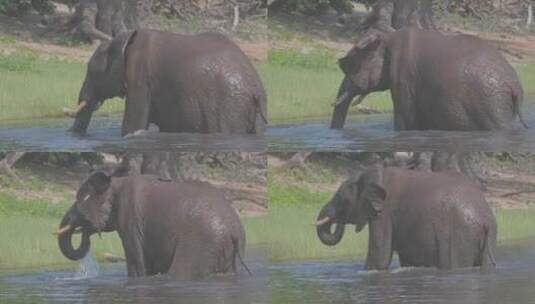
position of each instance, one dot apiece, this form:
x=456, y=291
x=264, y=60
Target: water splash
x=88, y=268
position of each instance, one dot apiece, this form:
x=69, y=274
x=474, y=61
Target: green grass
x=526, y=72
x=31, y=87
x=26, y=227
x=289, y=235
x=304, y=86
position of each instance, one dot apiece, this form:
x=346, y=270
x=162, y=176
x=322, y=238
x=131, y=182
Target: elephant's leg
x=446, y=256
x=135, y=258
x=137, y=109
x=379, y=245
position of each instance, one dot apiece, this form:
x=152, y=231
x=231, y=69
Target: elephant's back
x=207, y=81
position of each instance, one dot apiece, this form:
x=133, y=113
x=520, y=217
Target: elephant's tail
x=486, y=254
x=237, y=256
x=517, y=104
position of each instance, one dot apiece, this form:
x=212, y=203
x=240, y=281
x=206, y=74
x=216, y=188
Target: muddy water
x=104, y=134
x=110, y=285
x=362, y=133
x=376, y=133
x=347, y=282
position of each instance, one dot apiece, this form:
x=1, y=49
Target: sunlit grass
x=304, y=86
x=31, y=87
x=26, y=239
x=289, y=234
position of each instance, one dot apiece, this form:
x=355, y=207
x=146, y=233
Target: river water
x=104, y=134
x=110, y=285
x=362, y=133
x=347, y=282
x=376, y=133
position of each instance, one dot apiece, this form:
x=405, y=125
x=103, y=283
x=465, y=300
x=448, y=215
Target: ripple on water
x=348, y=282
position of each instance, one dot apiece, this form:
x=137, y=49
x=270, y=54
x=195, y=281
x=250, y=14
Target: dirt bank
x=507, y=187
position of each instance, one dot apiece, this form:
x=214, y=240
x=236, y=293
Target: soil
x=29, y=32
x=506, y=187
x=338, y=33
x=57, y=184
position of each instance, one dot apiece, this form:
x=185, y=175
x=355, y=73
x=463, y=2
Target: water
x=347, y=282
x=362, y=133
x=111, y=285
x=376, y=133
x=104, y=134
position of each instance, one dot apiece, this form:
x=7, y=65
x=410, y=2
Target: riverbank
x=303, y=61
x=39, y=83
x=296, y=196
x=33, y=203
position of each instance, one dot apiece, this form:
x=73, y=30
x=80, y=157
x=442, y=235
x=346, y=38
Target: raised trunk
x=324, y=231
x=341, y=107
x=65, y=239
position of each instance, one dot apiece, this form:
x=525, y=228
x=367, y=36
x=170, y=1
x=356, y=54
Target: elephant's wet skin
x=197, y=84
x=428, y=219
x=187, y=230
x=437, y=81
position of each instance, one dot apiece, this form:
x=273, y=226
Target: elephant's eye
x=87, y=197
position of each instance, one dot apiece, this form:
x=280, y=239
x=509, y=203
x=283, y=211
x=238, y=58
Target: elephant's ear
x=374, y=191
x=119, y=46
x=375, y=196
x=100, y=181
x=362, y=49
x=95, y=200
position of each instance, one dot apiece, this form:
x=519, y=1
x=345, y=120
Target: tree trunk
x=530, y=15
x=401, y=13
x=162, y=164
x=104, y=19
x=8, y=162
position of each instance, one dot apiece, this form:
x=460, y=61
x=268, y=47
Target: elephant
x=199, y=83
x=437, y=81
x=429, y=219
x=187, y=230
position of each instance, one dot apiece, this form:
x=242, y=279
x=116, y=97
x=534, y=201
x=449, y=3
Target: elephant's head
x=91, y=213
x=366, y=70
x=105, y=79
x=357, y=201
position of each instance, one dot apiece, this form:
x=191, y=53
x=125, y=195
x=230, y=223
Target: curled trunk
x=65, y=239
x=324, y=231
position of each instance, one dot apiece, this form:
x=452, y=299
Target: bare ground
x=507, y=188
x=58, y=184
x=331, y=32
x=29, y=33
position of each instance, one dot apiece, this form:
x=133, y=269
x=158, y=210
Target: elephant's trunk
x=83, y=116
x=67, y=228
x=326, y=219
x=341, y=106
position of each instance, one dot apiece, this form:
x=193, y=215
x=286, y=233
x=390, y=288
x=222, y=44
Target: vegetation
x=26, y=89
x=296, y=196
x=304, y=86
x=32, y=205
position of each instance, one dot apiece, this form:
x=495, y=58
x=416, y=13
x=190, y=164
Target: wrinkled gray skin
x=181, y=83
x=187, y=229
x=437, y=81
x=428, y=219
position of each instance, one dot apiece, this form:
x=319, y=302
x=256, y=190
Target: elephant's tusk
x=63, y=230
x=359, y=100
x=341, y=99
x=73, y=113
x=323, y=221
